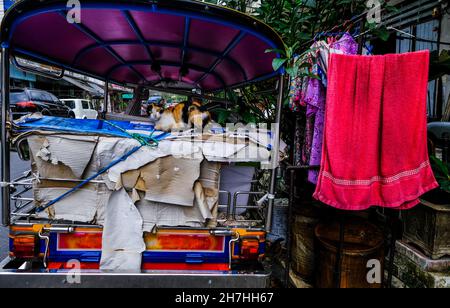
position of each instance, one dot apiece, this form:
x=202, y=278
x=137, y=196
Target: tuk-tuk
x=195, y=45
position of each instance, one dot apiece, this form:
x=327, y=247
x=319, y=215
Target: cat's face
x=155, y=112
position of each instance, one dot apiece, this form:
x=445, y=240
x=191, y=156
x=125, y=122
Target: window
x=70, y=104
x=18, y=97
x=54, y=98
x=38, y=96
x=425, y=31
x=85, y=104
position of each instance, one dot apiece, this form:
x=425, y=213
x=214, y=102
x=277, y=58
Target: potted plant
x=427, y=226
x=440, y=195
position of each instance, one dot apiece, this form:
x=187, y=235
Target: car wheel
x=71, y=115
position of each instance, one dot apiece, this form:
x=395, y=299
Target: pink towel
x=375, y=139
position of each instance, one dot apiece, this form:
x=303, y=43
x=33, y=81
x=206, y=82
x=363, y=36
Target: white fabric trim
x=381, y=179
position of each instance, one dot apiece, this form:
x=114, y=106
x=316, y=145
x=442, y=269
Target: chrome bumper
x=145, y=279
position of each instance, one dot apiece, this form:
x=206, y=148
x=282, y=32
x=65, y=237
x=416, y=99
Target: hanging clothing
x=345, y=45
x=375, y=139
x=316, y=96
x=299, y=136
x=295, y=95
x=315, y=99
x=297, y=90
x=308, y=142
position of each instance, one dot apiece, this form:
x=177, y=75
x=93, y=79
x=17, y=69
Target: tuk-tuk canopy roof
x=156, y=43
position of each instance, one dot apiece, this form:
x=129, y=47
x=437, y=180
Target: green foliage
x=248, y=106
x=441, y=172
x=298, y=22
x=440, y=64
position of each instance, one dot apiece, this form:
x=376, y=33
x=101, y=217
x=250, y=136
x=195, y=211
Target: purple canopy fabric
x=145, y=42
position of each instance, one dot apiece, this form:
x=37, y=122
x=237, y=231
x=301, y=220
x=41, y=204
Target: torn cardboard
x=122, y=241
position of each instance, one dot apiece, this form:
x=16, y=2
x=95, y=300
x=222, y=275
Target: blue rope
x=124, y=157
x=143, y=140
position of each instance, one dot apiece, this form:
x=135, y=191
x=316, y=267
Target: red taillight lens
x=24, y=246
x=250, y=249
x=26, y=104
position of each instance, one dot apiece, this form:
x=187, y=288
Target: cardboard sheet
x=166, y=174
x=62, y=156
x=203, y=213
x=86, y=205
x=163, y=214
x=171, y=180
x=122, y=241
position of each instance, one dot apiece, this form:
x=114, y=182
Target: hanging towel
x=375, y=140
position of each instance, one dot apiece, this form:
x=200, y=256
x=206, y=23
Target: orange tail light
x=25, y=246
x=250, y=248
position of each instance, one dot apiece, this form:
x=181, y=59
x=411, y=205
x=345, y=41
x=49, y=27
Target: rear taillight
x=249, y=248
x=26, y=104
x=24, y=246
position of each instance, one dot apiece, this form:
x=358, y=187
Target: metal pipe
x=46, y=238
x=276, y=148
x=340, y=252
x=59, y=229
x=394, y=223
x=105, y=99
x=5, y=155
x=240, y=193
x=361, y=38
x=222, y=232
x=189, y=94
x=230, y=247
x=289, y=227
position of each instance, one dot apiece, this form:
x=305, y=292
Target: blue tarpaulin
x=81, y=126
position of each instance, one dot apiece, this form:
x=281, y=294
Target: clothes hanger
x=401, y=32
x=389, y=28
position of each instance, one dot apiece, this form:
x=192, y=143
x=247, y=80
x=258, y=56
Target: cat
x=181, y=116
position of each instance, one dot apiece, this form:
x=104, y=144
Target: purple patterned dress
x=315, y=99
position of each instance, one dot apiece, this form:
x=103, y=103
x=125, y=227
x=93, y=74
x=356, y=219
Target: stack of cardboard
x=168, y=190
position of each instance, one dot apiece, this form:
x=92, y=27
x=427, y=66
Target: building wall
x=445, y=37
x=419, y=18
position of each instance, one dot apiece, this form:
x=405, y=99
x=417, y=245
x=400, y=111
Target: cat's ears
x=192, y=108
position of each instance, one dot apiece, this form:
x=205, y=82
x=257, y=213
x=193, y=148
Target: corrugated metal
x=428, y=31
x=411, y=13
x=405, y=45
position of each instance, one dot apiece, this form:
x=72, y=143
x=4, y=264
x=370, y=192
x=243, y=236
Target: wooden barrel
x=363, y=245
x=302, y=253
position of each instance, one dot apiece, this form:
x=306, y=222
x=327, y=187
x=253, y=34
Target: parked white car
x=82, y=108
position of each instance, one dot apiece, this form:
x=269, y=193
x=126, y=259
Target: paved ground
x=17, y=168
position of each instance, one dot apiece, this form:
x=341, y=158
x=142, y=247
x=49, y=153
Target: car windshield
x=40, y=96
x=70, y=104
x=18, y=97
x=54, y=98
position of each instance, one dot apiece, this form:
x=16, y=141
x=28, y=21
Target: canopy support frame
x=187, y=28
x=105, y=99
x=275, y=153
x=139, y=35
x=99, y=41
x=167, y=63
x=147, y=43
x=4, y=151
x=229, y=48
